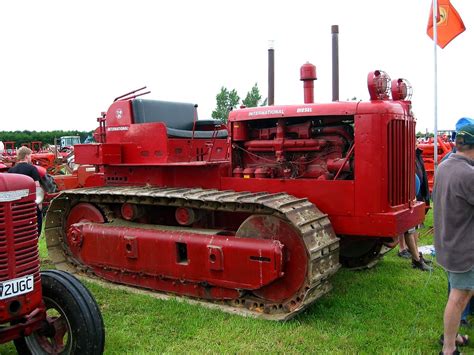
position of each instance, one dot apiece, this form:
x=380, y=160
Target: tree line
x=227, y=100
x=45, y=137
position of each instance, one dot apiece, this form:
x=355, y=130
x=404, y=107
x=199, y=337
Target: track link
x=313, y=227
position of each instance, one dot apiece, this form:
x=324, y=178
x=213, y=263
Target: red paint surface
x=353, y=160
x=209, y=259
x=374, y=198
x=19, y=255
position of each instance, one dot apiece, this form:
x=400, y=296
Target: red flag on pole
x=450, y=24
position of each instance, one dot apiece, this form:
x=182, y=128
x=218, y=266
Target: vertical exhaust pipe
x=308, y=76
x=335, y=62
x=271, y=74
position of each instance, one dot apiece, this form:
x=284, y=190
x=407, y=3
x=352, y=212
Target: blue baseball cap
x=462, y=122
x=465, y=129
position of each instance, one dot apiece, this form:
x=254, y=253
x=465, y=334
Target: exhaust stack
x=271, y=75
x=308, y=76
x=335, y=62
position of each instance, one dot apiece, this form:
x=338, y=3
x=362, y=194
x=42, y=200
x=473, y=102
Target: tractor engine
x=293, y=149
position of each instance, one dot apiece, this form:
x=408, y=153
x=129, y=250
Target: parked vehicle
x=48, y=312
x=255, y=216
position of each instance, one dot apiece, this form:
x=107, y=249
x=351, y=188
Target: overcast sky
x=62, y=62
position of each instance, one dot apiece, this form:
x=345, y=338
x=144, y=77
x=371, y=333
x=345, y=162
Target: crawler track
x=313, y=228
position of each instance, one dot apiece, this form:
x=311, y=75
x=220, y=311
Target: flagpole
x=435, y=41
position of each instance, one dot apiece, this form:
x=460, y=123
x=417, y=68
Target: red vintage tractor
x=445, y=145
x=43, y=313
x=256, y=217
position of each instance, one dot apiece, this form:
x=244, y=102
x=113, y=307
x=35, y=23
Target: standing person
x=454, y=231
x=423, y=193
x=417, y=260
x=408, y=242
x=470, y=305
x=25, y=167
x=403, y=251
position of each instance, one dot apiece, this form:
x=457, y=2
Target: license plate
x=15, y=287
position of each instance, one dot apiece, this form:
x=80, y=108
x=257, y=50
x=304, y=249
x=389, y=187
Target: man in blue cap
x=453, y=199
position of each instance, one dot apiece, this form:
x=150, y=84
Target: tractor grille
x=3, y=245
x=18, y=240
x=401, y=161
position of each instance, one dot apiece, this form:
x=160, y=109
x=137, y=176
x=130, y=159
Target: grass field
x=389, y=309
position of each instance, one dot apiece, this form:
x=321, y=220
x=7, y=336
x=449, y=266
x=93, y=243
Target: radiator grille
x=401, y=161
x=3, y=245
x=19, y=239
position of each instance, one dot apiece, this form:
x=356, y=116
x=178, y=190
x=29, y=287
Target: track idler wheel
x=84, y=212
x=81, y=213
x=295, y=259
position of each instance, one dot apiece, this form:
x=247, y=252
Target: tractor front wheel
x=75, y=324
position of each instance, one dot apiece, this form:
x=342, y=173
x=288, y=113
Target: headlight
x=39, y=195
x=378, y=83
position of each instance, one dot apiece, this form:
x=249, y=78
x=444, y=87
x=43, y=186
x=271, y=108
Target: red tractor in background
x=445, y=146
x=40, y=156
x=256, y=217
x=47, y=312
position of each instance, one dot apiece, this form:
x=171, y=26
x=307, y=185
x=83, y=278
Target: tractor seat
x=178, y=118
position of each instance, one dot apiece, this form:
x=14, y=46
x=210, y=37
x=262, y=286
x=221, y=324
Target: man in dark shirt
x=453, y=200
x=24, y=167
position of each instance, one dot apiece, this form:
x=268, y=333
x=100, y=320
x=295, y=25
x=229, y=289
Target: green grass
x=389, y=309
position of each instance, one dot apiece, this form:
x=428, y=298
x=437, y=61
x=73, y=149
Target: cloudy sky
x=62, y=62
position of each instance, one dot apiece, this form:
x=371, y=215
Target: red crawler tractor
x=43, y=313
x=254, y=217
